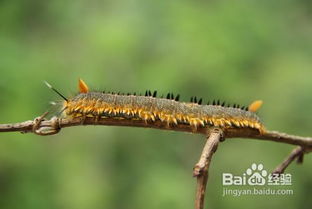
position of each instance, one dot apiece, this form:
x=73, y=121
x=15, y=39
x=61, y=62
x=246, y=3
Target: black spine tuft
x=200, y=101
x=155, y=94
x=171, y=96
x=223, y=104
x=191, y=99
x=168, y=96
x=213, y=102
x=177, y=97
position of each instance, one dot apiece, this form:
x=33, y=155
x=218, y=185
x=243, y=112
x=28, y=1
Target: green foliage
x=235, y=51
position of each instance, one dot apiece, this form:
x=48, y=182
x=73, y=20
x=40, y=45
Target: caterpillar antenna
x=56, y=91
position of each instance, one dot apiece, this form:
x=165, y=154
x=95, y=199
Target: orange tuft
x=83, y=88
x=253, y=107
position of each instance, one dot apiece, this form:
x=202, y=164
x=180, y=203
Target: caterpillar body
x=150, y=109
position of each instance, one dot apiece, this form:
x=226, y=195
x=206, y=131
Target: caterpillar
x=149, y=108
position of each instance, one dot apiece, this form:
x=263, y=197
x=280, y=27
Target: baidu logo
x=258, y=180
x=256, y=175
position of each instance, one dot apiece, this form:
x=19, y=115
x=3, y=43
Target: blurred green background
x=236, y=51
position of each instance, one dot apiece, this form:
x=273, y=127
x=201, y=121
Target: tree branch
x=202, y=167
x=41, y=126
x=54, y=125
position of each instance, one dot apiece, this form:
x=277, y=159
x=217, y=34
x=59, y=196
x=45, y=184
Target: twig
x=285, y=138
x=296, y=153
x=202, y=167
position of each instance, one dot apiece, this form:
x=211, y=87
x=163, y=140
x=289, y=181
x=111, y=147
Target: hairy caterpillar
x=149, y=108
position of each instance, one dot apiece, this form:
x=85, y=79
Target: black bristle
x=171, y=96
x=103, y=92
x=59, y=93
x=146, y=93
x=177, y=97
x=213, y=102
x=128, y=94
x=228, y=105
x=195, y=99
x=200, y=101
x=191, y=99
x=243, y=107
x=223, y=104
x=118, y=93
x=234, y=105
x=168, y=96
x=134, y=93
x=247, y=109
x=155, y=94
x=218, y=102
x=150, y=93
x=237, y=106
x=208, y=103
